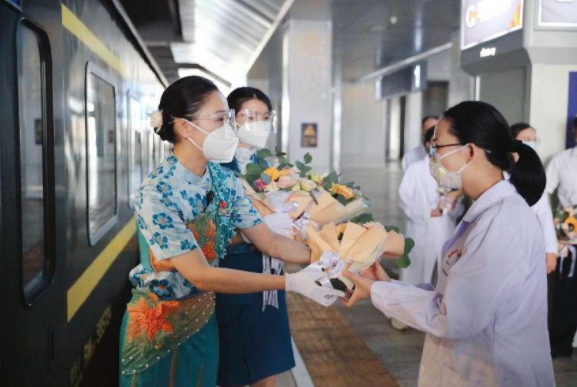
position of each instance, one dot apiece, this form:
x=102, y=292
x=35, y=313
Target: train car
x=76, y=85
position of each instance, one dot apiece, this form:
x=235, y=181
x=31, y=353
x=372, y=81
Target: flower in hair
x=156, y=120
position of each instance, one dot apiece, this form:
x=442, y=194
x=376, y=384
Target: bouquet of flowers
x=565, y=221
x=360, y=245
x=303, y=193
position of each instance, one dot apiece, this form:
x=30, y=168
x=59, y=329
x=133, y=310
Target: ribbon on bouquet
x=271, y=266
x=563, y=254
x=280, y=223
x=330, y=265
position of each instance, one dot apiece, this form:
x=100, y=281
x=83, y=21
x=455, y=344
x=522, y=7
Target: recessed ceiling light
x=377, y=28
x=394, y=20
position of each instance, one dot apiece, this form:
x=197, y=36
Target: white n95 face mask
x=219, y=145
x=444, y=178
x=255, y=133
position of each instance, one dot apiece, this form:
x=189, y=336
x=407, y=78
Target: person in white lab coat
x=528, y=135
x=562, y=177
x=419, y=152
x=486, y=322
x=430, y=217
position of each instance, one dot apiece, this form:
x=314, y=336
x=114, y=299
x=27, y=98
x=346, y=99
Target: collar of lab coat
x=489, y=198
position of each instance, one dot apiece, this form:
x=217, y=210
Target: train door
x=32, y=303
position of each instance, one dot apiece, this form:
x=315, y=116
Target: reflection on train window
x=101, y=155
x=32, y=143
x=135, y=158
x=146, y=153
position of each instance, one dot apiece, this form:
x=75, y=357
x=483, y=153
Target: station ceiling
x=224, y=37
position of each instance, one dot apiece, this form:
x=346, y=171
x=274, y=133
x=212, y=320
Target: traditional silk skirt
x=169, y=343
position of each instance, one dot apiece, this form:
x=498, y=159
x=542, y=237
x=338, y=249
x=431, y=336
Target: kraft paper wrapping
x=363, y=246
x=304, y=200
x=316, y=243
x=329, y=210
x=394, y=246
x=261, y=206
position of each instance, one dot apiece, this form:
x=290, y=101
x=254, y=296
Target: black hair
x=428, y=136
x=182, y=99
x=242, y=94
x=575, y=123
x=429, y=117
x=481, y=124
x=515, y=129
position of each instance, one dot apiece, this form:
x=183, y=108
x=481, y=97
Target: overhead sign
x=407, y=80
x=558, y=13
x=484, y=20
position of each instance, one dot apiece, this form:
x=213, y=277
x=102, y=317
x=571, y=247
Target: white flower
x=156, y=119
x=308, y=185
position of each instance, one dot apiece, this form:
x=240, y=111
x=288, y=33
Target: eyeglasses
x=219, y=116
x=254, y=115
x=434, y=147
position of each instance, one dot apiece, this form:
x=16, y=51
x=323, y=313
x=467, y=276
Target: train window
x=145, y=152
x=135, y=155
x=31, y=95
x=101, y=155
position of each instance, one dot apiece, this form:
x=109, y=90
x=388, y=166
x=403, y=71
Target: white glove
x=303, y=283
x=281, y=223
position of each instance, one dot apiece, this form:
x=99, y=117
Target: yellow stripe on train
x=87, y=282
x=79, y=29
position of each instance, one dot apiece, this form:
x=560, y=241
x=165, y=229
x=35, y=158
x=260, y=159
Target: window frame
x=133, y=149
x=93, y=69
x=37, y=287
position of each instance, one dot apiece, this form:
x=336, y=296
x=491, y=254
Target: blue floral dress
x=169, y=334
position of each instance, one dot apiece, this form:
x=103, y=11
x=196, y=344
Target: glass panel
x=145, y=153
x=32, y=134
x=135, y=160
x=101, y=136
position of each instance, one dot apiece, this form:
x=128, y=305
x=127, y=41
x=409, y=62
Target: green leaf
x=409, y=245
x=280, y=154
x=283, y=160
x=262, y=163
x=253, y=169
x=363, y=218
x=350, y=184
x=393, y=228
x=332, y=177
x=403, y=262
x=282, y=166
x=263, y=153
x=341, y=199
x=265, y=178
x=308, y=158
x=300, y=165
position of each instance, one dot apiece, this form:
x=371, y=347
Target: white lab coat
x=542, y=210
x=413, y=156
x=419, y=195
x=486, y=322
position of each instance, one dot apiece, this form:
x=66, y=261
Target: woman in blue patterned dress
x=255, y=339
x=187, y=211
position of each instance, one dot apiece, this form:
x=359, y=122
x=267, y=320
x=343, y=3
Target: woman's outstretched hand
x=362, y=289
x=363, y=283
